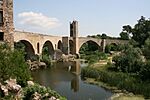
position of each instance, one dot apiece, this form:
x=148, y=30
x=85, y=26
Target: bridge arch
x=59, y=45
x=48, y=48
x=112, y=47
x=93, y=45
x=29, y=49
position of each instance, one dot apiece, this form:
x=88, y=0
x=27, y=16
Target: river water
x=65, y=79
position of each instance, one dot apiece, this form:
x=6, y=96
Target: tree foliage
x=130, y=60
x=12, y=64
x=146, y=49
x=140, y=32
x=124, y=35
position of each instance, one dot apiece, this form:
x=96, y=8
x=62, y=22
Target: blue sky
x=95, y=16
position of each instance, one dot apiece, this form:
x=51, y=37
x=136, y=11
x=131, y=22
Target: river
x=65, y=79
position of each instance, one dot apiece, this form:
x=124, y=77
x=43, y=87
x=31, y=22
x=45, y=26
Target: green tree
x=141, y=31
x=104, y=36
x=127, y=29
x=124, y=35
x=129, y=60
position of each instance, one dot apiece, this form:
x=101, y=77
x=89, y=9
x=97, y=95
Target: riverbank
x=99, y=75
x=118, y=94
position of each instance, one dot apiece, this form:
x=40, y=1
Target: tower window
x=1, y=36
x=1, y=17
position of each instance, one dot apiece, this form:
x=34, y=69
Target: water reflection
x=75, y=84
x=65, y=79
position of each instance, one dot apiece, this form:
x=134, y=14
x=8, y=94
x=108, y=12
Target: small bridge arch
x=60, y=45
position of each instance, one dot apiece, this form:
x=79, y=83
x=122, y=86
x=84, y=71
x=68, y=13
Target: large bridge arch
x=83, y=40
x=50, y=48
x=29, y=49
x=95, y=46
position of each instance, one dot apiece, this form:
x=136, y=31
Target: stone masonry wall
x=8, y=26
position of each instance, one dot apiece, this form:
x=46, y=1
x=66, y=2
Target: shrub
x=30, y=90
x=47, y=59
x=89, y=72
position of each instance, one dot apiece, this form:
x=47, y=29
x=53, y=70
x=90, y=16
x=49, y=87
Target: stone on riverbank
x=36, y=65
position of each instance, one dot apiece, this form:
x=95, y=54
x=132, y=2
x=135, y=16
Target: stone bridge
x=35, y=42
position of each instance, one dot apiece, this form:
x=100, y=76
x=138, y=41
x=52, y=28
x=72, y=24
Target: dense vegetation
x=130, y=69
x=46, y=56
x=45, y=93
x=12, y=64
x=121, y=80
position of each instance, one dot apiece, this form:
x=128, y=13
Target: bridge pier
x=103, y=44
x=65, y=42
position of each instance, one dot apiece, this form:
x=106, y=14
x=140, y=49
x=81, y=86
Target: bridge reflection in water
x=65, y=79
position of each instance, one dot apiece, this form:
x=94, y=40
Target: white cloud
x=37, y=20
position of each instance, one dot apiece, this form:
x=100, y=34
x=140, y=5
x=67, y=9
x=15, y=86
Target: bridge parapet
x=115, y=41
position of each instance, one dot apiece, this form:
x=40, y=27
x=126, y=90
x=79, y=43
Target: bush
x=145, y=71
x=93, y=57
x=12, y=64
x=47, y=59
x=89, y=72
x=30, y=90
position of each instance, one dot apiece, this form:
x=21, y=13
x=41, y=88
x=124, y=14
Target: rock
x=16, y=87
x=45, y=95
x=12, y=85
x=36, y=65
x=42, y=64
x=5, y=90
x=36, y=96
x=30, y=83
x=52, y=98
x=66, y=58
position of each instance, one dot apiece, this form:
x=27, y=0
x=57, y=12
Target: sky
x=52, y=17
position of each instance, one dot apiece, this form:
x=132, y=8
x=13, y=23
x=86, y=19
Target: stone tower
x=74, y=29
x=6, y=21
x=74, y=34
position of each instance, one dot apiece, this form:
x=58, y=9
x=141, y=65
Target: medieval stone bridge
x=35, y=42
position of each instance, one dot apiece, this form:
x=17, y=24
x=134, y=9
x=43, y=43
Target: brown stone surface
x=7, y=27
